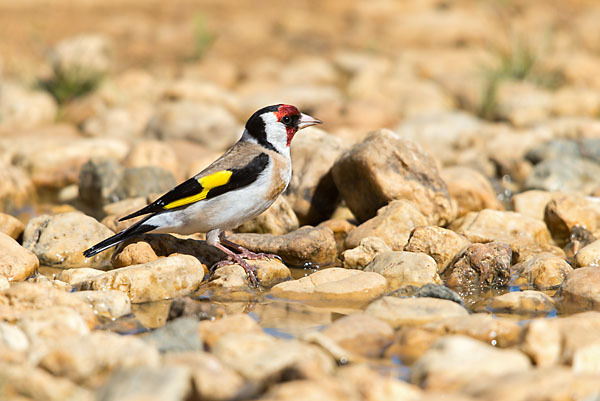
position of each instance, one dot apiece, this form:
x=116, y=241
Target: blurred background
x=477, y=82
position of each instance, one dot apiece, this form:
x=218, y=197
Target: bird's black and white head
x=274, y=126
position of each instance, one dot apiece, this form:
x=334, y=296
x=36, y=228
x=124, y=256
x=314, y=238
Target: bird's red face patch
x=288, y=115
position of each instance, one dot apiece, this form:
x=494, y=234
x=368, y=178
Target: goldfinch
x=238, y=186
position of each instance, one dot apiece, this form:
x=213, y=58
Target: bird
x=238, y=186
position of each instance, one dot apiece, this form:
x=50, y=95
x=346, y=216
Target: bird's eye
x=286, y=120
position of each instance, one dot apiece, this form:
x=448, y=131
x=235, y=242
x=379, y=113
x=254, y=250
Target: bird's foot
x=246, y=254
x=238, y=260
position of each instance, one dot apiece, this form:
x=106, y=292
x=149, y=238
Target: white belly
x=225, y=211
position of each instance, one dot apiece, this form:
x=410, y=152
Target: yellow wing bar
x=209, y=182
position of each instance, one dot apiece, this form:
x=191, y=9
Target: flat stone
x=386, y=167
x=393, y=224
x=364, y=253
x=413, y=311
x=495, y=331
x=405, y=268
x=11, y=226
x=522, y=302
x=262, y=358
x=59, y=240
x=16, y=263
x=108, y=303
x=334, y=284
x=92, y=358
x=212, y=330
x=441, y=244
x=361, y=334
x=454, y=361
x=74, y=276
x=162, y=279
x=541, y=271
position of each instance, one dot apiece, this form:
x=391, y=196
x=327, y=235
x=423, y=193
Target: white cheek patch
x=275, y=131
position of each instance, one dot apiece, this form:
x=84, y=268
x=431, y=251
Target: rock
x=25, y=108
x=587, y=359
x=16, y=188
x=454, y=361
x=341, y=228
x=98, y=180
x=22, y=299
x=125, y=122
x=211, y=379
x=410, y=343
x=209, y=125
x=386, y=167
x=4, y=283
x=85, y=56
x=91, y=358
x=116, y=210
x=312, y=192
x=481, y=265
x=522, y=302
x=279, y=219
x=373, y=385
x=262, y=358
x=108, y=303
x=25, y=382
x=441, y=244
x=496, y=331
x=542, y=342
x=53, y=160
x=523, y=103
x=510, y=227
x=148, y=153
x=16, y=262
x=542, y=271
x=589, y=255
x=307, y=244
x=43, y=326
x=361, y=334
x=393, y=224
x=438, y=291
x=269, y=273
x=310, y=390
x=212, y=330
x=11, y=226
x=12, y=337
x=143, y=181
x=364, y=253
x=161, y=279
x=470, y=189
x=74, y=276
x=405, y=268
x=413, y=311
x=59, y=240
x=532, y=203
x=334, y=284
x=565, y=174
x=580, y=291
x=567, y=211
x=134, y=253
x=178, y=335
x=557, y=383
x=149, y=383
x=553, y=149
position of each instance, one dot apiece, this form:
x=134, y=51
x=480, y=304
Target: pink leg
x=247, y=254
x=234, y=258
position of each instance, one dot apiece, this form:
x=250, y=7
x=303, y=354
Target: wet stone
x=108, y=303
x=400, y=312
x=580, y=291
x=74, y=276
x=16, y=262
x=361, y=334
x=567, y=211
x=212, y=330
x=542, y=271
x=523, y=302
x=333, y=285
x=178, y=335
x=481, y=264
x=589, y=255
x=364, y=253
x=11, y=226
x=438, y=291
x=405, y=268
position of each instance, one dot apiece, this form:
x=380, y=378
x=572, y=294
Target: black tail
x=136, y=229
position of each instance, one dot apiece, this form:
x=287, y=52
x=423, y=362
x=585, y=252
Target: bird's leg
x=213, y=238
x=248, y=254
